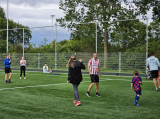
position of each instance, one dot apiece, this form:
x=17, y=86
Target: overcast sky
x=37, y=13
x=32, y=12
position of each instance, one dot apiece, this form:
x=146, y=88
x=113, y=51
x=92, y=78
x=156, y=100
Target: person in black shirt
x=75, y=76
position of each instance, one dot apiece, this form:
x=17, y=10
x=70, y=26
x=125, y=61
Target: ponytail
x=70, y=62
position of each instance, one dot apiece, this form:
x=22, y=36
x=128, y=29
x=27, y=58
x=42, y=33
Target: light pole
x=55, y=41
x=7, y=26
x=146, y=42
x=52, y=29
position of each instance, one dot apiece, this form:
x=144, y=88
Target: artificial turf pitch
x=46, y=96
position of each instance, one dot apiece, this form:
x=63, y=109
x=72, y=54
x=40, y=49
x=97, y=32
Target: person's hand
x=68, y=82
x=80, y=60
x=99, y=74
x=131, y=88
x=90, y=73
x=9, y=61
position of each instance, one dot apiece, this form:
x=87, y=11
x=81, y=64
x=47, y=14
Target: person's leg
x=24, y=68
x=75, y=88
x=97, y=87
x=21, y=72
x=10, y=76
x=137, y=98
x=90, y=86
x=155, y=83
x=6, y=75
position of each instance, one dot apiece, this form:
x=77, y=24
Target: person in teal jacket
x=7, y=69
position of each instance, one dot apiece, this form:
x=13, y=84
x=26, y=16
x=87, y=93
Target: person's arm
x=6, y=62
x=89, y=70
x=140, y=81
x=25, y=62
x=147, y=65
x=131, y=86
x=89, y=64
x=82, y=65
x=158, y=63
x=99, y=71
x=69, y=74
x=9, y=61
x=43, y=68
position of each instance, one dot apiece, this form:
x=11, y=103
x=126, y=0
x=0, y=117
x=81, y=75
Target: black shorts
x=7, y=70
x=94, y=78
x=154, y=74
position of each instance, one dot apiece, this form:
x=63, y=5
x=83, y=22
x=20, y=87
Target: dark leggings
x=23, y=68
x=76, y=95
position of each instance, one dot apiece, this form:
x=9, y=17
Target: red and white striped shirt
x=94, y=65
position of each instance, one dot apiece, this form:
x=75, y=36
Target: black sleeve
x=83, y=66
x=69, y=73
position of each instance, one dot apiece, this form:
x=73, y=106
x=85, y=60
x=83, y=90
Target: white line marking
x=64, y=83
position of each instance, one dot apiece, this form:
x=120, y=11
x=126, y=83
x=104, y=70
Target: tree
x=90, y=10
x=128, y=35
x=15, y=36
x=145, y=5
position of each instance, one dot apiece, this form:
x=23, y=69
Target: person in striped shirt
x=94, y=68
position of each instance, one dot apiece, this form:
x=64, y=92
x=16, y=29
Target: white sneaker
x=156, y=89
x=24, y=77
x=20, y=77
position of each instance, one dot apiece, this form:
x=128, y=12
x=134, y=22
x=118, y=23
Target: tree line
x=122, y=36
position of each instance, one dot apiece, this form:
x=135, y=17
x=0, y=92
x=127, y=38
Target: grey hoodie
x=153, y=63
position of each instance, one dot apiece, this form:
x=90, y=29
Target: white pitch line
x=63, y=84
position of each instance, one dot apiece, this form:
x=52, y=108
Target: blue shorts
x=138, y=92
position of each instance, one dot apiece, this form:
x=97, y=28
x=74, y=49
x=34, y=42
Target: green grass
x=56, y=101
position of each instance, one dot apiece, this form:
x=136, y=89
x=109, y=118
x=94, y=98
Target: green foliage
x=15, y=37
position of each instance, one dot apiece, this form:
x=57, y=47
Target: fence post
x=38, y=60
x=9, y=55
x=119, y=62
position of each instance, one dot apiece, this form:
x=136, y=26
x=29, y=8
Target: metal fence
x=117, y=62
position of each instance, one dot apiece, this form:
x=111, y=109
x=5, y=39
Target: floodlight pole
x=52, y=29
x=146, y=43
x=56, y=48
x=23, y=42
x=96, y=37
x=7, y=26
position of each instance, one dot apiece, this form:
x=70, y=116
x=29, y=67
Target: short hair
x=152, y=53
x=136, y=73
x=95, y=53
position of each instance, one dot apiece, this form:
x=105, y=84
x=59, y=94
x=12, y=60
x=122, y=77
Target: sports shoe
x=10, y=82
x=136, y=104
x=78, y=103
x=7, y=82
x=20, y=78
x=157, y=89
x=88, y=94
x=98, y=95
x=24, y=77
x=75, y=101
